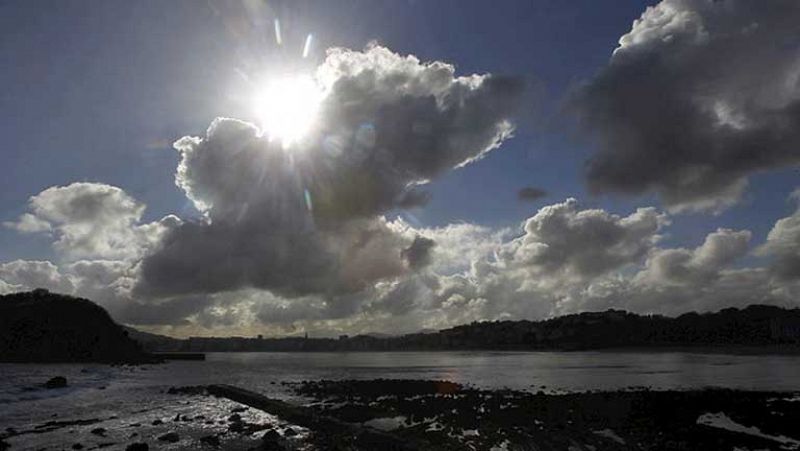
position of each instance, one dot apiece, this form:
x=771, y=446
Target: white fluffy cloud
x=783, y=244
x=92, y=220
x=20, y=275
x=562, y=239
x=698, y=96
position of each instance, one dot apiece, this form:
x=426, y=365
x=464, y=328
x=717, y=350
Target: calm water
x=103, y=390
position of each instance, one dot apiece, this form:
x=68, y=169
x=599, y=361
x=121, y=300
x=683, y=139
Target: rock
x=271, y=436
x=238, y=409
x=170, y=437
x=156, y=422
x=211, y=440
x=137, y=447
x=77, y=446
x=235, y=418
x=56, y=382
x=4, y=446
x=236, y=426
x=98, y=431
x=289, y=432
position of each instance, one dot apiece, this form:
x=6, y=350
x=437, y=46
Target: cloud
x=21, y=275
x=783, y=245
x=530, y=194
x=698, y=96
x=670, y=267
x=28, y=223
x=307, y=220
x=563, y=239
x=418, y=254
x=91, y=220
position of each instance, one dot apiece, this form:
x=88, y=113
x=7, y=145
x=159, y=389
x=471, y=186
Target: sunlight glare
x=287, y=107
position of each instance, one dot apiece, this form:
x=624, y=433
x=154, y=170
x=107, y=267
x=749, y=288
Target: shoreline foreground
x=435, y=415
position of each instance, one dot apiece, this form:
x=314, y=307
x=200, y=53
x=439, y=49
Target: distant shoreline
x=722, y=350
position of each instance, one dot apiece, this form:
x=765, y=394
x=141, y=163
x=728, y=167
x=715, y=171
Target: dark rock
x=156, y=422
x=4, y=446
x=236, y=426
x=211, y=440
x=238, y=409
x=137, y=447
x=170, y=437
x=98, y=431
x=235, y=418
x=271, y=436
x=289, y=432
x=56, y=382
x=77, y=446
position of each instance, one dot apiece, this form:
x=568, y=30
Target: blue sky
x=99, y=91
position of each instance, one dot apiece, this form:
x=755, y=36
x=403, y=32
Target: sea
x=128, y=392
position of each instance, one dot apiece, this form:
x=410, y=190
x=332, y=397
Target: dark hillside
x=40, y=326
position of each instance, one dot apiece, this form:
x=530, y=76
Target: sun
x=287, y=107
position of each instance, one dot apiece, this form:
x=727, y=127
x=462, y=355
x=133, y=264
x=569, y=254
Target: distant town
x=759, y=326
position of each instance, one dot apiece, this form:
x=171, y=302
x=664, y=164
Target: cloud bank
x=299, y=239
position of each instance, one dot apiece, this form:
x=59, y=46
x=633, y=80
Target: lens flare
x=287, y=107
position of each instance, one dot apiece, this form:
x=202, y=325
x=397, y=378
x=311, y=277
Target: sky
x=264, y=167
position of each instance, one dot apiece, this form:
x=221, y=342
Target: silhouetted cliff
x=757, y=326
x=40, y=326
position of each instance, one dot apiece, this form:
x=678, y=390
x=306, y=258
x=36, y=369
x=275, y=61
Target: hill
x=759, y=327
x=40, y=326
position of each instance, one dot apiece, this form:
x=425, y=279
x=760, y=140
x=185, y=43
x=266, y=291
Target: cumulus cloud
x=19, y=275
x=564, y=239
x=698, y=96
x=680, y=266
x=307, y=220
x=91, y=220
x=783, y=245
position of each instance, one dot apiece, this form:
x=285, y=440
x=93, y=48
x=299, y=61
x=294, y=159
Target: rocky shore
x=443, y=415
x=432, y=415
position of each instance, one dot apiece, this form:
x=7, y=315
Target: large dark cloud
x=306, y=219
x=699, y=95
